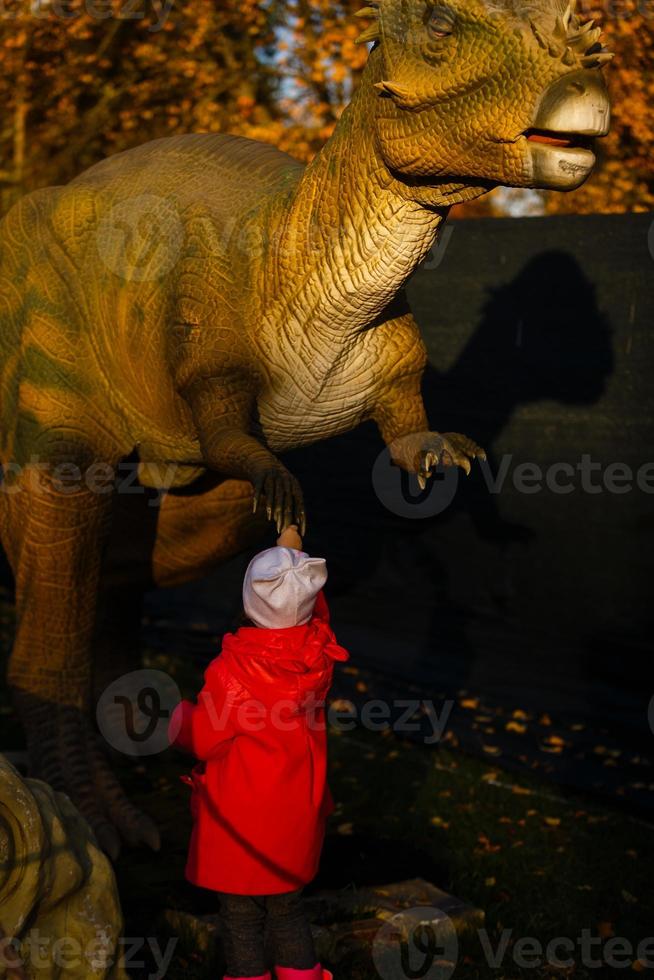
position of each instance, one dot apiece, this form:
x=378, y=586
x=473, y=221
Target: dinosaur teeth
x=569, y=57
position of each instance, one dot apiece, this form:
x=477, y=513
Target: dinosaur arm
x=223, y=408
x=400, y=411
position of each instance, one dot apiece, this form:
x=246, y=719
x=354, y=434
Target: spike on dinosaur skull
x=371, y=33
x=570, y=40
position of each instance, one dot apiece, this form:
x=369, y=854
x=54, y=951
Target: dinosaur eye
x=441, y=22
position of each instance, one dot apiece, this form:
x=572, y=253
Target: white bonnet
x=280, y=587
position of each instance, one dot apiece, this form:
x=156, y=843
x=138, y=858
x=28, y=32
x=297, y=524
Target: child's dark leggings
x=283, y=920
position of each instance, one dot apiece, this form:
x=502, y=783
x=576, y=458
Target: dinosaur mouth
x=571, y=141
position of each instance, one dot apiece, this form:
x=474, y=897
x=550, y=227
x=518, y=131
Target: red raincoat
x=261, y=798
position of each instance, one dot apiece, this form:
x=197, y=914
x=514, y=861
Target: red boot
x=316, y=973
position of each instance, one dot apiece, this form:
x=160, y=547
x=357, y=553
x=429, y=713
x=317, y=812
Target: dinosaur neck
x=350, y=235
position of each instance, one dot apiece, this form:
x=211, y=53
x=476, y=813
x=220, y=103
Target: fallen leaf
x=439, y=822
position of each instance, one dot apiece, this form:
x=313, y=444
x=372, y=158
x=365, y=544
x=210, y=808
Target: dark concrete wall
x=541, y=348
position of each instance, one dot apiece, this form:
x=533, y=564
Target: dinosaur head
x=484, y=92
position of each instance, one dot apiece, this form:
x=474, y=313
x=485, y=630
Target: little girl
x=260, y=796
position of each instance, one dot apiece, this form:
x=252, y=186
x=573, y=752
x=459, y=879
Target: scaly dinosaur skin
x=57, y=889
x=266, y=312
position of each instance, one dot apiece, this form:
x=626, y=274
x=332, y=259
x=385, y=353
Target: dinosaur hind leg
x=54, y=544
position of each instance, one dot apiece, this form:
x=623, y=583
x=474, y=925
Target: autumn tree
x=80, y=79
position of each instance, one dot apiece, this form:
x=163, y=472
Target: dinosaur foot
x=64, y=752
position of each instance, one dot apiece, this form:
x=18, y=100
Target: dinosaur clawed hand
x=451, y=449
x=281, y=494
x=422, y=452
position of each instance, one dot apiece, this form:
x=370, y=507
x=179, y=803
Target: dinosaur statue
x=264, y=311
x=59, y=904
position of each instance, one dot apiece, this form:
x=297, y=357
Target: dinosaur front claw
x=284, y=501
x=422, y=452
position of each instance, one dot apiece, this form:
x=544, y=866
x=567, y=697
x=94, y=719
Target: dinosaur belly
x=292, y=423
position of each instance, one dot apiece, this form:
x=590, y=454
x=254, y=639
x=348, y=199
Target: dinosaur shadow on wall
x=541, y=337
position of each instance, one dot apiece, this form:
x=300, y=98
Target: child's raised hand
x=290, y=538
